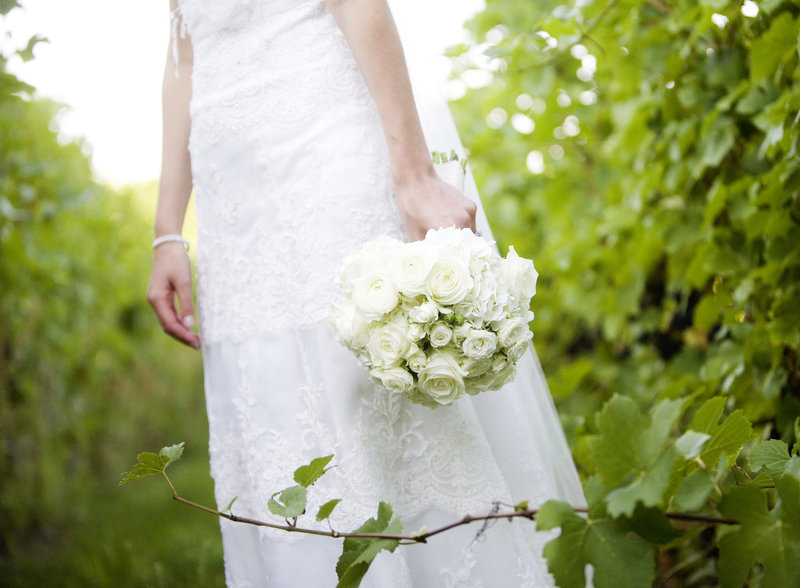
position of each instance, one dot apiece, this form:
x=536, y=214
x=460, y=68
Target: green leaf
x=772, y=455
x=767, y=52
x=726, y=439
x=292, y=502
x=326, y=509
x=691, y=443
x=652, y=525
x=308, y=474
x=230, y=505
x=171, y=454
x=27, y=53
x=358, y=553
x=647, y=489
x=7, y=5
x=693, y=491
x=767, y=537
x=630, y=443
x=149, y=464
x=716, y=140
x=619, y=557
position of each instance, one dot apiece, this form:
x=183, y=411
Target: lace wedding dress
x=291, y=172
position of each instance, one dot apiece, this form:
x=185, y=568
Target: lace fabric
x=291, y=173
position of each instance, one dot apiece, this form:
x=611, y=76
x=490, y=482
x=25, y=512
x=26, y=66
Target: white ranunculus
x=411, y=265
x=442, y=379
x=440, y=334
x=449, y=281
x=417, y=361
x=520, y=276
x=511, y=331
x=387, y=346
x=375, y=295
x=395, y=379
x=423, y=313
x=479, y=344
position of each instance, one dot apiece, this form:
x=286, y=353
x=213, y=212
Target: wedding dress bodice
x=277, y=92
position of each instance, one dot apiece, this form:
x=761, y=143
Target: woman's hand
x=171, y=277
x=431, y=203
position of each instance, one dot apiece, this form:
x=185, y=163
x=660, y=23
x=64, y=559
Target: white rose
x=442, y=379
x=423, y=313
x=516, y=352
x=477, y=367
x=504, y=373
x=395, y=379
x=411, y=265
x=417, y=361
x=520, y=276
x=460, y=332
x=449, y=281
x=374, y=295
x=414, y=332
x=351, y=270
x=479, y=344
x=511, y=331
x=387, y=346
x=440, y=334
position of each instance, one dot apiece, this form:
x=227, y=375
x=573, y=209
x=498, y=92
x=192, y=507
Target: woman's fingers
x=171, y=278
x=432, y=204
x=164, y=307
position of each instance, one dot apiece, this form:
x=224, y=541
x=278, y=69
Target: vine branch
x=528, y=513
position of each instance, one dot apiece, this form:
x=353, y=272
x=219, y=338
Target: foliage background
x=642, y=153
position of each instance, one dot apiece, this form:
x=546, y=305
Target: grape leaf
x=308, y=474
x=693, y=491
x=619, y=557
x=726, y=439
x=768, y=537
x=652, y=525
x=770, y=49
x=292, y=502
x=647, y=488
x=691, y=443
x=358, y=552
x=150, y=464
x=326, y=509
x=26, y=54
x=7, y=5
x=171, y=454
x=772, y=455
x=630, y=450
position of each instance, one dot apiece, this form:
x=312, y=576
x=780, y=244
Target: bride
x=295, y=123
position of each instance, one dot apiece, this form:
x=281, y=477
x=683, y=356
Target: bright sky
x=105, y=60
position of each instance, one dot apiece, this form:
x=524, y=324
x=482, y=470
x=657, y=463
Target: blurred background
x=643, y=153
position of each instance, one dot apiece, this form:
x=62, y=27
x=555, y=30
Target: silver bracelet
x=170, y=239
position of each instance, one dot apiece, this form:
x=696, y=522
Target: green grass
x=132, y=535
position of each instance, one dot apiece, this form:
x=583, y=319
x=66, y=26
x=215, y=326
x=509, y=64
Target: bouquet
x=436, y=319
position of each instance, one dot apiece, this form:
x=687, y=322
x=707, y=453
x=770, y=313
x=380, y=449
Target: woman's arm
x=172, y=270
x=424, y=200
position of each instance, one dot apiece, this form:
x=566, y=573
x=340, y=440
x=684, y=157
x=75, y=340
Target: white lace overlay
x=291, y=173
x=289, y=164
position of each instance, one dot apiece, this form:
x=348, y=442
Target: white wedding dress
x=291, y=172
